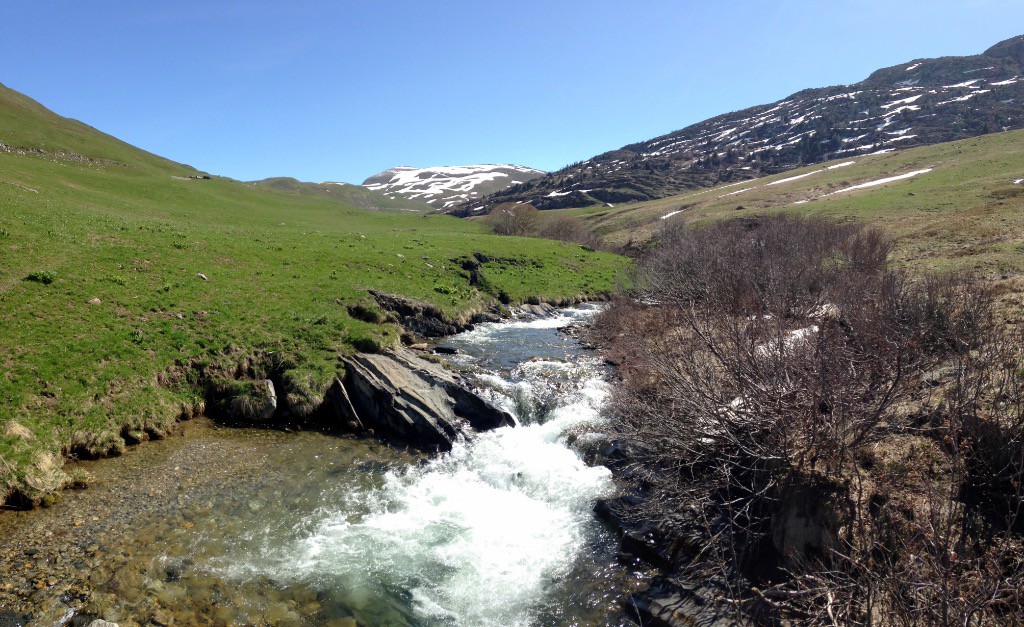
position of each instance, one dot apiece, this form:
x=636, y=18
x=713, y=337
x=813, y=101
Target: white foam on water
x=476, y=536
x=488, y=332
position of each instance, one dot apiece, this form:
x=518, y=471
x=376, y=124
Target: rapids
x=487, y=534
x=257, y=526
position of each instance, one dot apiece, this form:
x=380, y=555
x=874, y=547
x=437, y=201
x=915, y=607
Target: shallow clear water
x=265, y=527
x=491, y=533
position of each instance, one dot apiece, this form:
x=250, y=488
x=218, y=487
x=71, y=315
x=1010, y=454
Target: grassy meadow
x=123, y=281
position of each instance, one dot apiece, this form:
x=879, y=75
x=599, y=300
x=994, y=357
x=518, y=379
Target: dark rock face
x=669, y=604
x=808, y=518
x=411, y=399
x=339, y=405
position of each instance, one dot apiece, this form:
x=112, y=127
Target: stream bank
x=217, y=525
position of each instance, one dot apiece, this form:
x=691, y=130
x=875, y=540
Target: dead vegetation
x=846, y=440
x=528, y=221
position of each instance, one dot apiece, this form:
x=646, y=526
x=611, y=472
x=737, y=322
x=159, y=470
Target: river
x=266, y=527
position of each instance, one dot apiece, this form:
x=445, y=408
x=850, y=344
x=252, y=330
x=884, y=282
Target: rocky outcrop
x=411, y=399
x=671, y=604
x=419, y=317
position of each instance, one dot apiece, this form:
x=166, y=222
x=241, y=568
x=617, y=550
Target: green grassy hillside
x=965, y=213
x=123, y=282
x=354, y=195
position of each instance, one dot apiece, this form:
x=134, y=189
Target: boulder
x=479, y=413
x=412, y=399
x=536, y=310
x=485, y=316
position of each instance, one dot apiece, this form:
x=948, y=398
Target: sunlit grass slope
x=121, y=279
x=965, y=213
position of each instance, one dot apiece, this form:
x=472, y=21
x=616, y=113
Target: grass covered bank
x=127, y=282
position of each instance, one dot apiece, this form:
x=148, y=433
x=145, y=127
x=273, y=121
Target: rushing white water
x=480, y=535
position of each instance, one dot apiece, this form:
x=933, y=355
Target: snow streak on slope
x=889, y=179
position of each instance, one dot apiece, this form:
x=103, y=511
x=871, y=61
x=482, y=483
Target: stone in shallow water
x=415, y=400
x=281, y=614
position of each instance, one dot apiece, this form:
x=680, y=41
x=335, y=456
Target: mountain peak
x=446, y=186
x=1012, y=48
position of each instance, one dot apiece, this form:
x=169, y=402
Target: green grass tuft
x=42, y=276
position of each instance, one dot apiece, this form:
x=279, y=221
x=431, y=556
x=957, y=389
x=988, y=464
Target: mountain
x=446, y=186
x=355, y=195
x=925, y=101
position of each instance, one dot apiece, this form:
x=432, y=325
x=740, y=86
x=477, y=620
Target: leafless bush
x=514, y=219
x=566, y=228
x=765, y=365
x=527, y=221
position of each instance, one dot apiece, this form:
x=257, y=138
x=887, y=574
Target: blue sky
x=339, y=90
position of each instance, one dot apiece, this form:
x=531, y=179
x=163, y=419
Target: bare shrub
x=527, y=221
x=566, y=228
x=514, y=219
x=766, y=367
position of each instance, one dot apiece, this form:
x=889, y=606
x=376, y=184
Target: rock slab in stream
x=412, y=399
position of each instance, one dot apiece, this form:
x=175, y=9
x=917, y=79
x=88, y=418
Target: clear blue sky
x=339, y=90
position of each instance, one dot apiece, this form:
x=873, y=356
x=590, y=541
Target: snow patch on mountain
x=446, y=186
